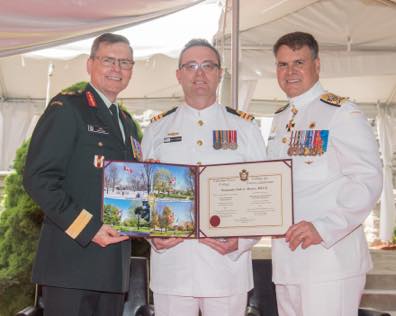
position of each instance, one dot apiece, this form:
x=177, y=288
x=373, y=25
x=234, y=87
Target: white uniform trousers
x=339, y=297
x=174, y=305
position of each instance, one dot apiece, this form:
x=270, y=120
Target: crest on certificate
x=244, y=175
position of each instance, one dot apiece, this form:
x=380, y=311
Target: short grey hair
x=200, y=42
x=108, y=38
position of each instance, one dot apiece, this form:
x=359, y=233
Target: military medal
x=290, y=125
x=224, y=139
x=297, y=143
x=216, y=140
x=98, y=161
x=321, y=139
x=301, y=143
x=136, y=149
x=324, y=134
x=308, y=142
x=318, y=143
x=291, y=144
x=233, y=142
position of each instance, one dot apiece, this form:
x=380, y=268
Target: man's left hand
x=303, y=233
x=107, y=235
x=221, y=245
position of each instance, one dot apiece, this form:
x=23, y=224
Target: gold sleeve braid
x=79, y=224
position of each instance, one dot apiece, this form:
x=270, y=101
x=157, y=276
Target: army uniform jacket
x=63, y=174
x=337, y=180
x=185, y=135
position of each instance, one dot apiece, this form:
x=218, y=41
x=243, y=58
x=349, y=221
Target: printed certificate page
x=245, y=199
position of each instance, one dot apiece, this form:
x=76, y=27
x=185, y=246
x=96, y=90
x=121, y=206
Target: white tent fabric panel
x=16, y=119
x=386, y=132
x=357, y=38
x=26, y=78
x=30, y=25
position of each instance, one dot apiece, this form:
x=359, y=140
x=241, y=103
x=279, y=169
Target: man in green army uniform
x=81, y=263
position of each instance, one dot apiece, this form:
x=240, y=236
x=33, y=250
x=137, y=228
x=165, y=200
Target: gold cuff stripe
x=79, y=224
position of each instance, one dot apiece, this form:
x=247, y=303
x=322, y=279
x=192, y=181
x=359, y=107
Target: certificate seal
x=214, y=221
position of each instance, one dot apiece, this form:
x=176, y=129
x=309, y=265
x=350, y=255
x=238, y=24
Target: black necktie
x=113, y=110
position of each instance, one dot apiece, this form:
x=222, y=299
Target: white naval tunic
x=191, y=268
x=335, y=191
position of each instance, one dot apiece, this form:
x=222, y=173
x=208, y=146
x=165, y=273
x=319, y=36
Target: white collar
x=306, y=98
x=206, y=112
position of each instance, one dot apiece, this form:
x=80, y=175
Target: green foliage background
x=19, y=230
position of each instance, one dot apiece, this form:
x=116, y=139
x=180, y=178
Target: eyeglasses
x=206, y=66
x=125, y=64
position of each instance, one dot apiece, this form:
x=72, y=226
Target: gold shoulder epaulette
x=281, y=109
x=161, y=115
x=241, y=114
x=78, y=92
x=56, y=103
x=333, y=99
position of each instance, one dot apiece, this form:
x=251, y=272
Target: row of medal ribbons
x=225, y=139
x=308, y=142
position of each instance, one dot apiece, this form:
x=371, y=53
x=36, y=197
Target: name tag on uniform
x=96, y=129
x=172, y=139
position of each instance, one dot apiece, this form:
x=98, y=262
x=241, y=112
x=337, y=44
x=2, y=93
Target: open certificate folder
x=145, y=199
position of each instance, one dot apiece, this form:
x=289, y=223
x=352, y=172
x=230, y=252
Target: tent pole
x=235, y=53
x=50, y=73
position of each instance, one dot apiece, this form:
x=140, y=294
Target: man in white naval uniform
x=320, y=267
x=211, y=275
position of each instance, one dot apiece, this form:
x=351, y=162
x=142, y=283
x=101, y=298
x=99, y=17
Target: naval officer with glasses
x=82, y=264
x=211, y=275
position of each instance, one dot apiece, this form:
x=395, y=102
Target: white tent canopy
x=357, y=41
x=30, y=25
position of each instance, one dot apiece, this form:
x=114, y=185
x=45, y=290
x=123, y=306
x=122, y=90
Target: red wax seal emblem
x=214, y=221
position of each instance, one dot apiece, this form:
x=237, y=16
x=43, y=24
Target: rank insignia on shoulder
x=281, y=109
x=333, y=99
x=90, y=99
x=71, y=92
x=241, y=114
x=56, y=103
x=157, y=117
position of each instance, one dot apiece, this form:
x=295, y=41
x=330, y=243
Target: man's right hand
x=107, y=235
x=165, y=243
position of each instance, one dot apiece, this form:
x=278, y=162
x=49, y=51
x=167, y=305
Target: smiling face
x=110, y=80
x=199, y=85
x=297, y=72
